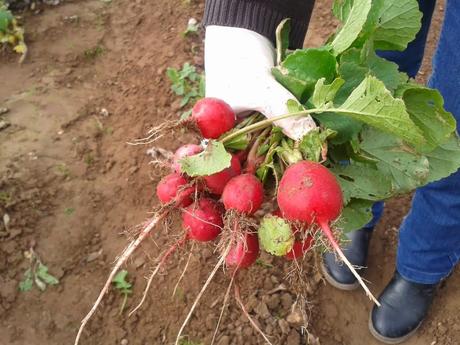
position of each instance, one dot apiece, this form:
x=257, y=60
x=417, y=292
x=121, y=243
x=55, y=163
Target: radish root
x=184, y=270
x=327, y=231
x=165, y=256
x=227, y=294
x=245, y=312
x=120, y=261
x=203, y=289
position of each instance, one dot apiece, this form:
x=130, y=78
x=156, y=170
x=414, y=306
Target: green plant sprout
x=123, y=286
x=37, y=274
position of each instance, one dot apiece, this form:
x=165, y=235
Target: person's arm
x=261, y=16
x=239, y=56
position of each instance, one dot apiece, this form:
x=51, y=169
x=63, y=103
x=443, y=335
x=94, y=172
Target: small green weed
x=184, y=341
x=186, y=83
x=10, y=31
x=262, y=263
x=123, y=286
x=89, y=159
x=63, y=170
x=101, y=129
x=94, y=52
x=5, y=197
x=192, y=28
x=37, y=274
x=68, y=211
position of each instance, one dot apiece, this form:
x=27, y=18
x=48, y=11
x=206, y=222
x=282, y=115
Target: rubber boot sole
x=387, y=340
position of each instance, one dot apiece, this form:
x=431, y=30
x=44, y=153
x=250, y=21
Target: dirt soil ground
x=71, y=187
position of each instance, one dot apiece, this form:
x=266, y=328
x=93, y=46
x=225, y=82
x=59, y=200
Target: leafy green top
x=379, y=132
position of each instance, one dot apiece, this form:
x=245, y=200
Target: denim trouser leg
x=429, y=242
x=409, y=61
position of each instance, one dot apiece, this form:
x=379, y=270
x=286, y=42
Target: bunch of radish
x=362, y=128
x=220, y=207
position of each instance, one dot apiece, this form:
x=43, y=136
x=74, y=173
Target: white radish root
x=120, y=261
x=164, y=256
x=224, y=304
x=184, y=270
x=327, y=231
x=245, y=312
x=203, y=289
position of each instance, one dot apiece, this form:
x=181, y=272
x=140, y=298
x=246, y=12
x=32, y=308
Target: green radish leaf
x=282, y=39
x=263, y=149
x=313, y=144
x=445, y=159
x=42, y=273
x=288, y=154
x=275, y=235
x=294, y=106
x=386, y=71
x=345, y=127
x=363, y=182
x=323, y=95
x=404, y=86
x=268, y=164
x=356, y=214
x=426, y=108
x=212, y=160
x=300, y=71
x=356, y=17
x=238, y=143
x=341, y=9
x=355, y=153
x=374, y=105
x=407, y=168
x=398, y=23
x=356, y=64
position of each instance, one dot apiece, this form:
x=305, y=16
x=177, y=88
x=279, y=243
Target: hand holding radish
x=238, y=66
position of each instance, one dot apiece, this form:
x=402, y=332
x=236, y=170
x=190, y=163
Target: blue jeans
x=429, y=237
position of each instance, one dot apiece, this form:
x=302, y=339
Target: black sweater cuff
x=261, y=16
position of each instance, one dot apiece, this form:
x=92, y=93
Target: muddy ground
x=72, y=189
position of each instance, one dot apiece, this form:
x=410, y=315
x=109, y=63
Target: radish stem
x=268, y=122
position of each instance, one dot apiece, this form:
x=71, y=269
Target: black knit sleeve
x=262, y=16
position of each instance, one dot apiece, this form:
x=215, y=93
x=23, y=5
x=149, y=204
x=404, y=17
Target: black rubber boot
x=336, y=272
x=404, y=305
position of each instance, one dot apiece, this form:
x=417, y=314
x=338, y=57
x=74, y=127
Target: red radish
x=202, y=220
x=213, y=117
x=244, y=253
x=216, y=183
x=243, y=193
x=310, y=193
x=299, y=248
x=182, y=152
x=174, y=187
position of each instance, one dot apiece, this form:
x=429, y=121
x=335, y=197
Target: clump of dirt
x=72, y=188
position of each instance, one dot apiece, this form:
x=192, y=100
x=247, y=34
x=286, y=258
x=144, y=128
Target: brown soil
x=72, y=188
